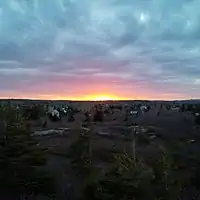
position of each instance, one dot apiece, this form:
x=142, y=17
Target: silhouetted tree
x=197, y=120
x=183, y=108
x=190, y=107
x=33, y=113
x=54, y=118
x=81, y=154
x=98, y=115
x=21, y=160
x=71, y=117
x=87, y=116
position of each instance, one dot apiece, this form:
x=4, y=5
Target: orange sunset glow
x=102, y=97
x=93, y=96
x=90, y=97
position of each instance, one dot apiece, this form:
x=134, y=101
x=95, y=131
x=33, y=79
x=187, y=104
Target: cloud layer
x=71, y=49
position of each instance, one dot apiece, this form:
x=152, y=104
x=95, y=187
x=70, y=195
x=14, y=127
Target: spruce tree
x=81, y=154
x=98, y=115
x=21, y=159
x=197, y=120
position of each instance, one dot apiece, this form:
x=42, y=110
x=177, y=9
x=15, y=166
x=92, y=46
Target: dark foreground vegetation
x=136, y=164
x=21, y=159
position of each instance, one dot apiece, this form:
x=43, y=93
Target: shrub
x=132, y=178
x=126, y=180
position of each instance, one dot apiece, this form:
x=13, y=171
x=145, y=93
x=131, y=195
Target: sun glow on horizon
x=102, y=98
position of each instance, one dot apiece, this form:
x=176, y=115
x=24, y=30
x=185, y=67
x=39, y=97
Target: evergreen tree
x=98, y=115
x=197, y=120
x=81, y=154
x=183, y=108
x=21, y=160
x=71, y=116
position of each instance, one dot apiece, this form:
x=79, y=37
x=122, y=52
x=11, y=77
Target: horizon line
x=32, y=99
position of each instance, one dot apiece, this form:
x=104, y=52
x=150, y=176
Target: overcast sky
x=74, y=48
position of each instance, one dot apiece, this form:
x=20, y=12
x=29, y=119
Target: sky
x=72, y=49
